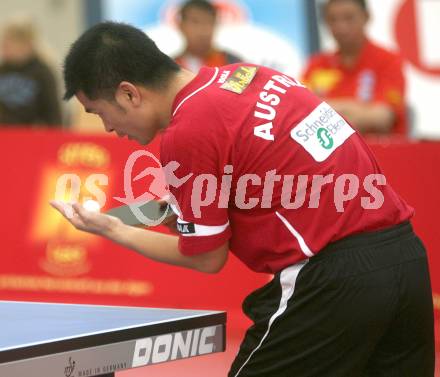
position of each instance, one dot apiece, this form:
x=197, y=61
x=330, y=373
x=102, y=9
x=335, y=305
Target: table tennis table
x=66, y=340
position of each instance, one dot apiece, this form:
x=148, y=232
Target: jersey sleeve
x=194, y=152
x=391, y=85
x=390, y=90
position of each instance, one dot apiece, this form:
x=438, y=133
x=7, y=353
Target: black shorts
x=362, y=307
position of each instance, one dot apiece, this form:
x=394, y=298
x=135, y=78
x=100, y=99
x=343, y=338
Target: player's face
x=346, y=21
x=134, y=118
x=198, y=29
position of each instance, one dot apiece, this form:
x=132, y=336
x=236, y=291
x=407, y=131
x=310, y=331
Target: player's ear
x=128, y=94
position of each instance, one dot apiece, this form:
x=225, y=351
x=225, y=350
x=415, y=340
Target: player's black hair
x=109, y=53
x=199, y=4
x=361, y=3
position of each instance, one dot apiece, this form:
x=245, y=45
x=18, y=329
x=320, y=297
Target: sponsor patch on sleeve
x=240, y=79
x=322, y=132
x=185, y=228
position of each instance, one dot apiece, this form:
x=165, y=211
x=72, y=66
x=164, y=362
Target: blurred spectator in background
x=28, y=89
x=362, y=81
x=197, y=23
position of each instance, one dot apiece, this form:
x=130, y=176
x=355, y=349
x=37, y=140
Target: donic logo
x=174, y=346
x=325, y=138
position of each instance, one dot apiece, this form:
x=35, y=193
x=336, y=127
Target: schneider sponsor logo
x=174, y=346
x=325, y=138
x=322, y=132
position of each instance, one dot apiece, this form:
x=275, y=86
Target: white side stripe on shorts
x=288, y=281
x=302, y=244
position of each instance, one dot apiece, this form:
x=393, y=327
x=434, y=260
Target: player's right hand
x=87, y=221
x=170, y=221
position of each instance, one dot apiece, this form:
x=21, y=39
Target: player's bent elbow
x=210, y=268
x=212, y=262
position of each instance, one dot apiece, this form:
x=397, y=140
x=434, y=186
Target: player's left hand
x=87, y=221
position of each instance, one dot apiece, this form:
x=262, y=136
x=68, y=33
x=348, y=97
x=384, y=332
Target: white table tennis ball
x=92, y=205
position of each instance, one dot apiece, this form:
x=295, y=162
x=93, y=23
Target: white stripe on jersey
x=198, y=90
x=204, y=230
x=302, y=244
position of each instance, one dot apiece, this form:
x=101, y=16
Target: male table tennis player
x=351, y=292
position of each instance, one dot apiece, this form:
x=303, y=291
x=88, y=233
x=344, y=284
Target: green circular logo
x=325, y=139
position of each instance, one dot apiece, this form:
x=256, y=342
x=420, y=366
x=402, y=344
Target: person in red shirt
x=258, y=165
x=197, y=23
x=361, y=80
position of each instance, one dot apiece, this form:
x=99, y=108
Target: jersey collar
x=204, y=78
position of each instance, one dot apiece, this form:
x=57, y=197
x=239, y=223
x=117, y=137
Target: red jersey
x=266, y=164
x=376, y=77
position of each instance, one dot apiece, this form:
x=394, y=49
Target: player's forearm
x=159, y=247
x=156, y=246
x=373, y=118
x=365, y=117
